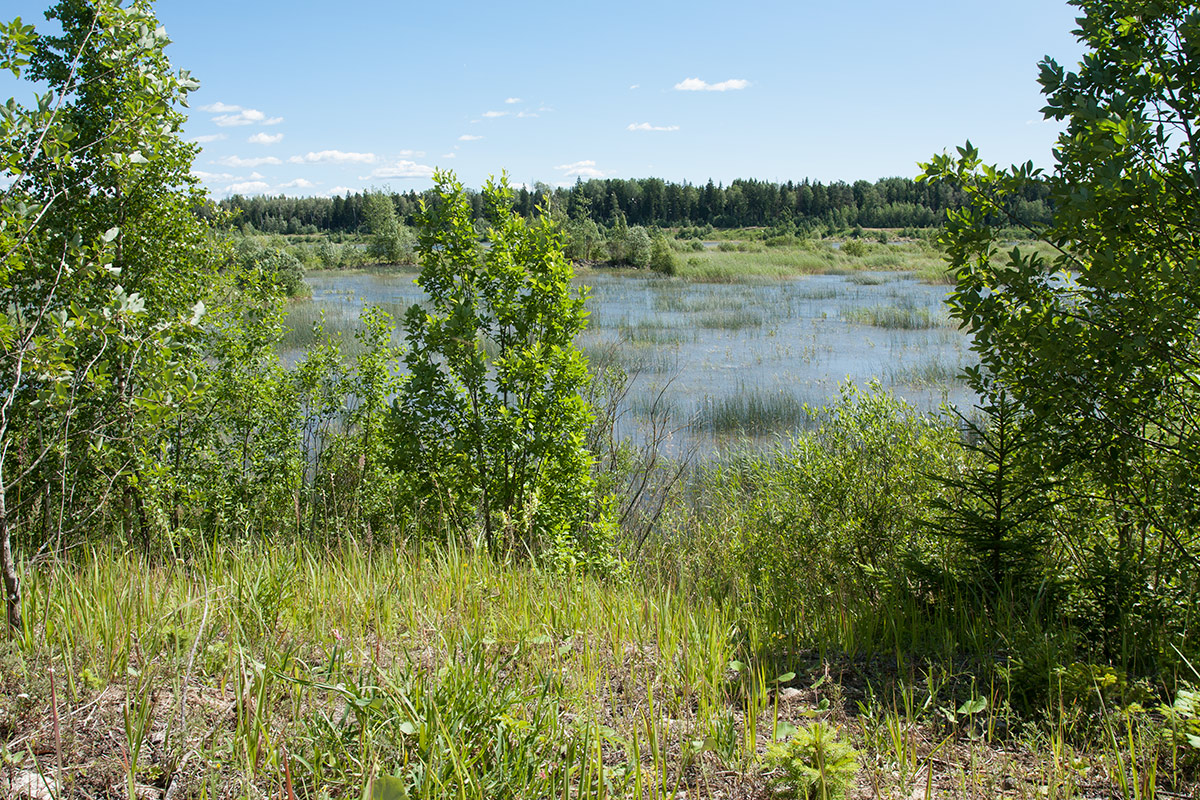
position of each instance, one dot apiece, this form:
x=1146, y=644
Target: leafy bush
x=662, y=259
x=855, y=248
x=491, y=414
x=638, y=248
x=830, y=510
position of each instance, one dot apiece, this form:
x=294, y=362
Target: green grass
x=895, y=317
x=808, y=258
x=731, y=320
x=750, y=412
x=930, y=372
x=327, y=668
x=320, y=671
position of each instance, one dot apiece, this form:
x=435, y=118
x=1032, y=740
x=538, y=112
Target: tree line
x=653, y=202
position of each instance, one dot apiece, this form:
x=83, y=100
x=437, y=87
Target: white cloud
x=208, y=137
x=236, y=161
x=299, y=183
x=336, y=156
x=212, y=176
x=256, y=175
x=646, y=126
x=247, y=116
x=491, y=114
x=247, y=187
x=467, y=137
x=636, y=86
x=400, y=169
x=410, y=153
x=523, y=114
x=266, y=138
x=584, y=169
x=340, y=190
x=232, y=116
x=449, y=155
x=511, y=100
x=697, y=85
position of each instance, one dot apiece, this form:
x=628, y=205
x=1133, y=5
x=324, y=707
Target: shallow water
x=730, y=357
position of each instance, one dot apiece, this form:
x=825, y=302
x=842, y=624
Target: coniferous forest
x=651, y=202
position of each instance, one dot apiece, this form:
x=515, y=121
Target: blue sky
x=308, y=98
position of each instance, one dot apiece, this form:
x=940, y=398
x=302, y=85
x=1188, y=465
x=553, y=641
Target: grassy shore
x=310, y=671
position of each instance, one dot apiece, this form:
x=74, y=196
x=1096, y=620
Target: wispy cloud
x=265, y=138
x=697, y=85
x=469, y=137
x=511, y=100
x=247, y=116
x=340, y=190
x=523, y=114
x=233, y=116
x=299, y=183
x=584, y=169
x=212, y=176
x=636, y=86
x=336, y=156
x=248, y=187
x=490, y=114
x=646, y=126
x=208, y=137
x=449, y=155
x=400, y=169
x=236, y=161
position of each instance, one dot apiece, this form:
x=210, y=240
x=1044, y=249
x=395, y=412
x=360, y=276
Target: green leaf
x=386, y=787
x=973, y=706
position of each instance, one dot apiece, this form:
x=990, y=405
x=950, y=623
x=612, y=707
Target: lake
x=727, y=360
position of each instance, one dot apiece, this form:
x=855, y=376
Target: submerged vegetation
x=440, y=561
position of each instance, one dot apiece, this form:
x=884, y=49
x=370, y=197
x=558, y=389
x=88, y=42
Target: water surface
x=729, y=358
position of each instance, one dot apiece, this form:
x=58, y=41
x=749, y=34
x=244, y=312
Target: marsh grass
x=337, y=320
x=811, y=258
x=653, y=332
x=905, y=317
x=732, y=319
x=929, y=372
x=750, y=412
x=870, y=279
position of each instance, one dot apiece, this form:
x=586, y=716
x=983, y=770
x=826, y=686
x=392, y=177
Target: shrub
x=855, y=248
x=662, y=259
x=814, y=764
x=638, y=253
x=831, y=510
x=491, y=414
